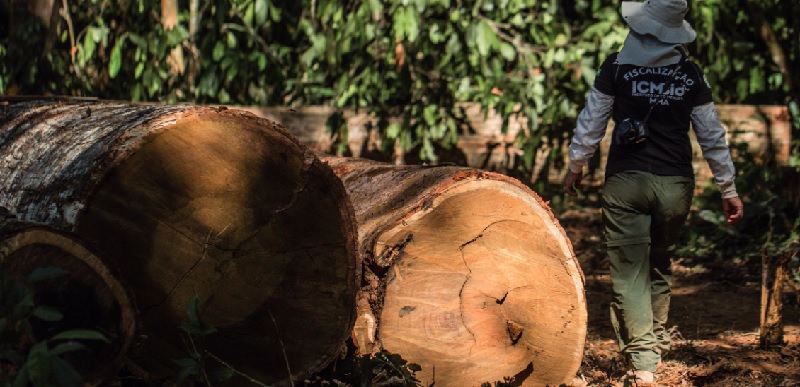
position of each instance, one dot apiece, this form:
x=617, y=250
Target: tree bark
x=773, y=270
x=87, y=295
x=188, y=201
x=466, y=273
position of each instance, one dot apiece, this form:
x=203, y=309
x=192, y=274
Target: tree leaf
x=22, y=378
x=138, y=71
x=43, y=273
x=393, y=130
x=80, y=334
x=193, y=312
x=261, y=12
x=137, y=40
x=485, y=38
x=508, y=51
x=64, y=373
x=46, y=313
x=406, y=24
x=219, y=51
x=69, y=346
x=429, y=114
x=115, y=62
x=220, y=374
x=39, y=365
x=188, y=367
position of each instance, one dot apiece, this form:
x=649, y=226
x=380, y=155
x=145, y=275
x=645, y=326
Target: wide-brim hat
x=663, y=19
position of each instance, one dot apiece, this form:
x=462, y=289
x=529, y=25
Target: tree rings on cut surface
x=480, y=280
x=191, y=202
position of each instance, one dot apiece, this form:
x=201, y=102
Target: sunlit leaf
x=115, y=62
x=507, y=51
x=485, y=38
x=393, y=130
x=261, y=11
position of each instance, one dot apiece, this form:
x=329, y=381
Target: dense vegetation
x=413, y=59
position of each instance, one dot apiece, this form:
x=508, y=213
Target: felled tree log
x=188, y=201
x=466, y=273
x=87, y=295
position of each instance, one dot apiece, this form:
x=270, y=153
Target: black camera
x=631, y=132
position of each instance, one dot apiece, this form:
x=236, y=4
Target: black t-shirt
x=668, y=150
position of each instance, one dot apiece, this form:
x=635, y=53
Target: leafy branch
x=25, y=358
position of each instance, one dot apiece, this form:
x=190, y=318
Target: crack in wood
x=514, y=331
x=473, y=240
x=209, y=243
x=461, y=296
x=502, y=300
x=390, y=253
x=480, y=235
x=187, y=273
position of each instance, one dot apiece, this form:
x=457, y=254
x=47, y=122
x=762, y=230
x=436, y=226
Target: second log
x=466, y=273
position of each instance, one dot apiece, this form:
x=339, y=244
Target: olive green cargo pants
x=643, y=215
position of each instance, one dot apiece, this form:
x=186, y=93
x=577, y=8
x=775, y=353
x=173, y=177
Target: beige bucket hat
x=663, y=19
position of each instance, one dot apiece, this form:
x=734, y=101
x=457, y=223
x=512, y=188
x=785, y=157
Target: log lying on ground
x=466, y=273
x=187, y=201
x=86, y=294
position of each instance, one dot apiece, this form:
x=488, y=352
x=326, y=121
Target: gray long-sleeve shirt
x=593, y=121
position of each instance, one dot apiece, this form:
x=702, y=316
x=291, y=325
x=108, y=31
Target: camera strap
x=671, y=82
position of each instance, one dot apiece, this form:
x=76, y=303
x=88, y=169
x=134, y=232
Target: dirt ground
x=714, y=319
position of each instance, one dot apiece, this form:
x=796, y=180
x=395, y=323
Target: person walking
x=654, y=94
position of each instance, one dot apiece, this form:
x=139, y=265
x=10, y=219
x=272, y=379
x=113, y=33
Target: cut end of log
x=230, y=210
x=186, y=202
x=481, y=282
x=87, y=295
x=485, y=272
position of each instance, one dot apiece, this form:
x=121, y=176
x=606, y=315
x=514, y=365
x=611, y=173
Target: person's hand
x=572, y=182
x=734, y=210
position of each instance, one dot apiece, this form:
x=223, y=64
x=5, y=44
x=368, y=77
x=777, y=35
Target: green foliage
x=381, y=369
x=413, y=61
x=772, y=206
x=737, y=60
x=25, y=358
x=196, y=368
x=413, y=64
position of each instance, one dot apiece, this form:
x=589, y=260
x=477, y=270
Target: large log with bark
x=85, y=293
x=466, y=273
x=189, y=201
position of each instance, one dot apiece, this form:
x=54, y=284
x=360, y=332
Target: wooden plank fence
x=765, y=129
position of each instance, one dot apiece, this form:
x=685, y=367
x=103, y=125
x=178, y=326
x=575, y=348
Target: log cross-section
x=466, y=273
x=190, y=201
